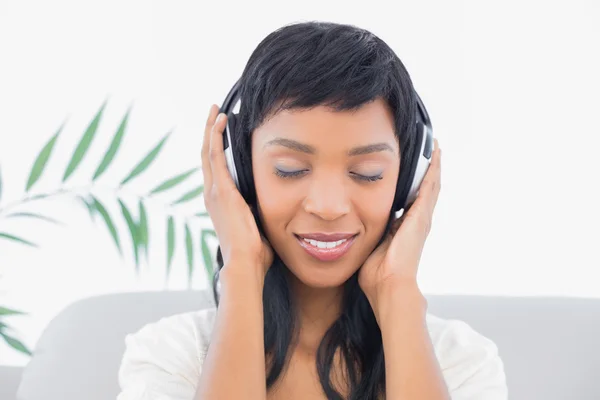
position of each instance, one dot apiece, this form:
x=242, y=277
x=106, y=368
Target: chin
x=318, y=277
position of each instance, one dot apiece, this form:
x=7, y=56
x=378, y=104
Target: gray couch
x=549, y=345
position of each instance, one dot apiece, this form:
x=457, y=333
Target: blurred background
x=102, y=107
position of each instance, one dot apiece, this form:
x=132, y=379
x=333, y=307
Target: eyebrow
x=308, y=149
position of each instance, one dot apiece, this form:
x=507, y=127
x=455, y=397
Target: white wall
x=512, y=89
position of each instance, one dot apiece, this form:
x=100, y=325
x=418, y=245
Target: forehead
x=321, y=126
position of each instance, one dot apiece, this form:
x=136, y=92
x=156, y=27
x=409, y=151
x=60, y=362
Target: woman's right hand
x=242, y=246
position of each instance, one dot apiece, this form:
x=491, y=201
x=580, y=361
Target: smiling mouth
x=325, y=244
x=326, y=250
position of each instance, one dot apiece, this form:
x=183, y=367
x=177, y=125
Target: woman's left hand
x=393, y=265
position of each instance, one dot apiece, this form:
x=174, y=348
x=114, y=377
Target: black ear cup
x=242, y=162
x=407, y=172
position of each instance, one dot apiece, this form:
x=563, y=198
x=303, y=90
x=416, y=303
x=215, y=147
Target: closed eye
x=299, y=173
x=289, y=174
x=368, y=178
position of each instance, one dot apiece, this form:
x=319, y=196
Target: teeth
x=324, y=245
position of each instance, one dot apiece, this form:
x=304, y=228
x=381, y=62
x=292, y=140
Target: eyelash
x=295, y=174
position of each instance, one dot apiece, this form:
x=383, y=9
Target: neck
x=318, y=308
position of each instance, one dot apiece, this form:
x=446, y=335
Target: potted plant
x=136, y=217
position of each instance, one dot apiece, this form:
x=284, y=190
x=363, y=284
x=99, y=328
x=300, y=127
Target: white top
x=163, y=360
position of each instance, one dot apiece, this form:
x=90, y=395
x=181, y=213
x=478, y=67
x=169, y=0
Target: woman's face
x=320, y=172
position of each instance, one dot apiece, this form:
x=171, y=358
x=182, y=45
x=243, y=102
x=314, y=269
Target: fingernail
x=219, y=118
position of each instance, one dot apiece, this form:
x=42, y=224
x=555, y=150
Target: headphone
x=409, y=179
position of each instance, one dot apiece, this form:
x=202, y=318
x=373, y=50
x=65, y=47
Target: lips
x=326, y=237
x=327, y=254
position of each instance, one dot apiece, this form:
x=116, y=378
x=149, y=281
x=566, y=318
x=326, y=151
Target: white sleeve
x=161, y=361
x=470, y=363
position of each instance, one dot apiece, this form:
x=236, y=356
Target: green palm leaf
x=192, y=194
x=39, y=196
x=110, y=225
x=42, y=160
x=89, y=205
x=133, y=231
x=84, y=143
x=7, y=311
x=113, y=148
x=189, y=247
x=16, y=239
x=207, y=257
x=143, y=228
x=170, y=243
x=34, y=215
x=15, y=344
x=141, y=167
x=173, y=181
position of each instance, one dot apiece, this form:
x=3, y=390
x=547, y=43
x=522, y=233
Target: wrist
x=399, y=299
x=242, y=273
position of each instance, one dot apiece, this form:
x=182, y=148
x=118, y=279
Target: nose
x=327, y=198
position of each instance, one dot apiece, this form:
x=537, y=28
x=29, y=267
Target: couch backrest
x=81, y=348
x=549, y=345
x=9, y=381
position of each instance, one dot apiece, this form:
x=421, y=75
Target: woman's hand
x=241, y=243
x=393, y=265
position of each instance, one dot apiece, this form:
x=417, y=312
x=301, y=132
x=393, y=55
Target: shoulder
x=469, y=361
x=165, y=357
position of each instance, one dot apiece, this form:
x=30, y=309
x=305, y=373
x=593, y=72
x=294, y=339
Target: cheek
x=276, y=204
x=375, y=201
x=373, y=209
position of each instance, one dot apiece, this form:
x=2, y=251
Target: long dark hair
x=300, y=66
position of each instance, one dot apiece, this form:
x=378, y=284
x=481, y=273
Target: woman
x=317, y=277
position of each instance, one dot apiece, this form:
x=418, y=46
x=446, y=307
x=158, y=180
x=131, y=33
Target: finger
x=396, y=224
x=220, y=173
x=206, y=170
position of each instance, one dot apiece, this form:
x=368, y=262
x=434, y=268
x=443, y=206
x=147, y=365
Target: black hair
x=300, y=66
